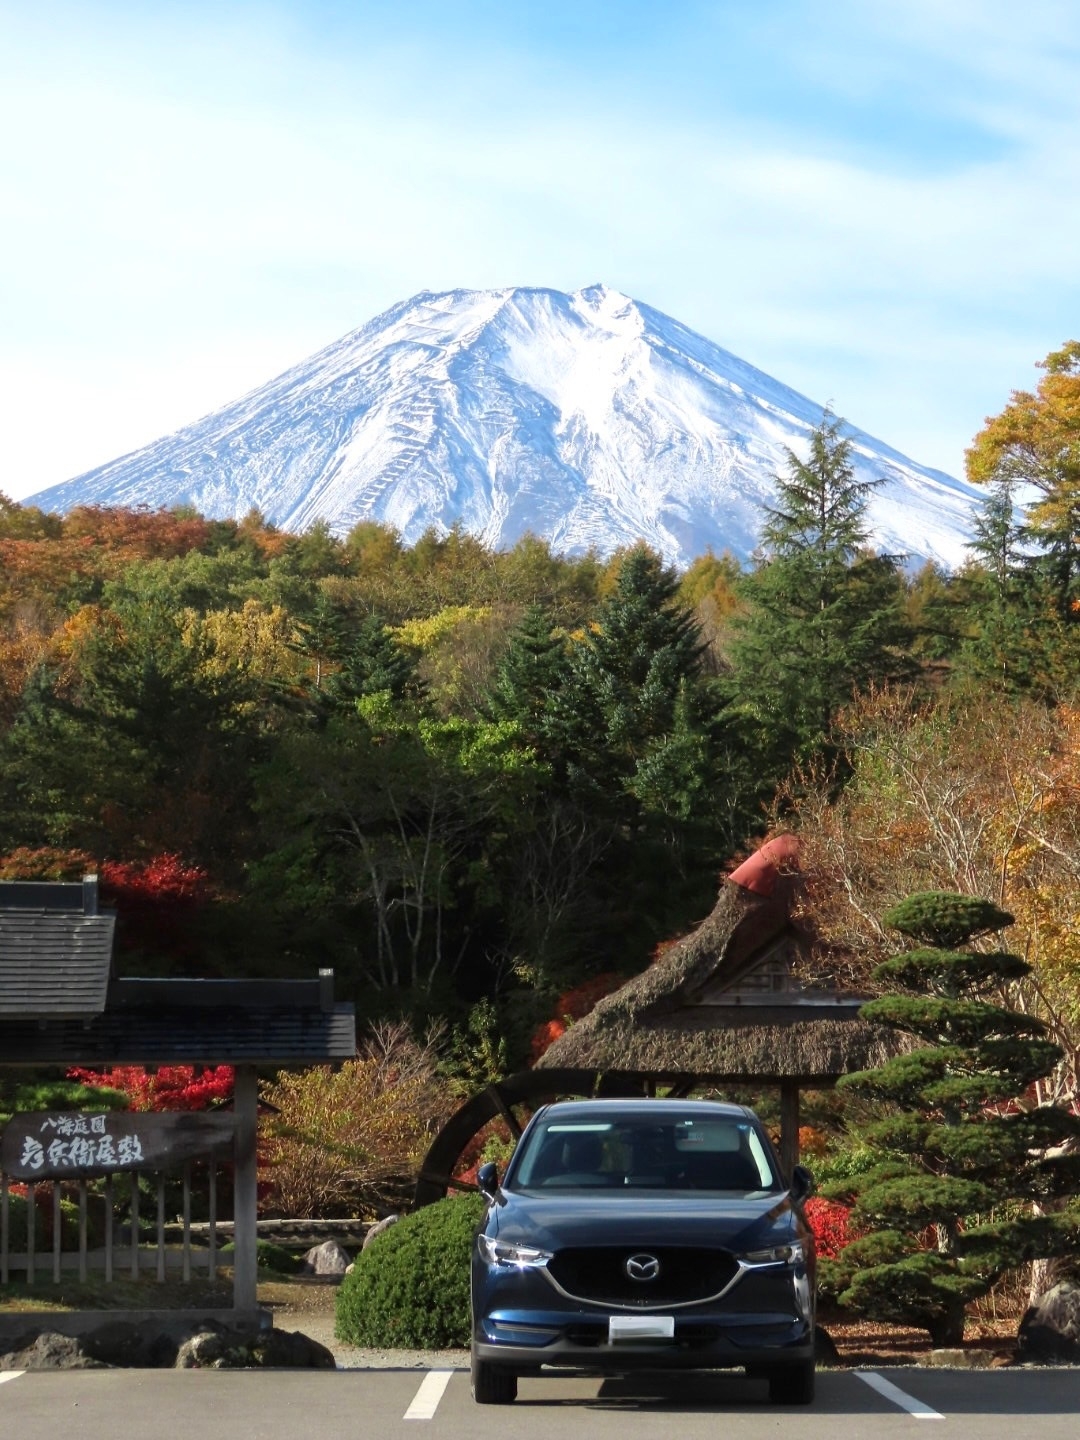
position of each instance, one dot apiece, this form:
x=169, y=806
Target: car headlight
x=504, y=1252
x=793, y=1253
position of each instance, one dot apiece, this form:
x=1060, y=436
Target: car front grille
x=685, y=1276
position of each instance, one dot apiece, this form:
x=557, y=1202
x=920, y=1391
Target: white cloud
x=198, y=205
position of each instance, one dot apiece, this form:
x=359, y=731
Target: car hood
x=553, y=1222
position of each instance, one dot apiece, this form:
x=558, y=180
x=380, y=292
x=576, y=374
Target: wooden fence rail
x=121, y=1248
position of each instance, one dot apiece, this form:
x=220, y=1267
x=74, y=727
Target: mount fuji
x=589, y=419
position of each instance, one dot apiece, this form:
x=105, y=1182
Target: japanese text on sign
x=53, y=1145
x=91, y=1146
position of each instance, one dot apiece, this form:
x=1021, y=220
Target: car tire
x=492, y=1385
x=792, y=1384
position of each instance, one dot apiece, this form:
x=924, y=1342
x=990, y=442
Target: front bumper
x=702, y=1343
x=521, y=1321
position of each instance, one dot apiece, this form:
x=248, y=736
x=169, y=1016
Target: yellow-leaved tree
x=349, y=1141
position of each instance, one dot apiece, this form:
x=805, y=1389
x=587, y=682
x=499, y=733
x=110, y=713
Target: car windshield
x=725, y=1155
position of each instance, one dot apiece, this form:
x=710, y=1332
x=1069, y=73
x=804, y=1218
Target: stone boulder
x=329, y=1258
x=148, y=1344
x=958, y=1358
x=270, y=1350
x=378, y=1229
x=49, y=1351
x=1050, y=1330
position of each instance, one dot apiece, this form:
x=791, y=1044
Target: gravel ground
x=308, y=1306
x=350, y=1357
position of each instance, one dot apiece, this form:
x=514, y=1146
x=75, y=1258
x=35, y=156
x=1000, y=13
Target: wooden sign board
x=73, y=1145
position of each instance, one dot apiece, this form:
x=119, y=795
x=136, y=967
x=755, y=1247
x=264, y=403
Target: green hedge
x=410, y=1287
x=43, y=1236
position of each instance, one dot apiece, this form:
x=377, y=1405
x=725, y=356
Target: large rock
x=1050, y=1330
x=52, y=1352
x=959, y=1359
x=149, y=1344
x=329, y=1258
x=271, y=1350
x=379, y=1228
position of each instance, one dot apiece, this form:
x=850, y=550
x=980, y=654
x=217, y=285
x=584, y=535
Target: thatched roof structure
x=725, y=1002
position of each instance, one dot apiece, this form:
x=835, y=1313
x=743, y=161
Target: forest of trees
x=469, y=781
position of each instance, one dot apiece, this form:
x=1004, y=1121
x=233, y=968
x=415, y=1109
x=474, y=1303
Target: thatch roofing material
x=657, y=1023
x=713, y=1043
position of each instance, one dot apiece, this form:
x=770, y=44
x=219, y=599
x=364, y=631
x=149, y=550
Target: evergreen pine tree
x=530, y=674
x=322, y=631
x=963, y=1147
x=621, y=696
x=1000, y=600
x=823, y=617
x=370, y=663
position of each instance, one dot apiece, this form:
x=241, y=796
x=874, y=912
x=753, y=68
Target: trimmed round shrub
x=410, y=1287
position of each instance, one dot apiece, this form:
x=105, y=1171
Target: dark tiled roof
x=190, y=1034
x=59, y=1006
x=53, y=962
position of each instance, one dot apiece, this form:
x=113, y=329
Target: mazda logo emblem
x=643, y=1267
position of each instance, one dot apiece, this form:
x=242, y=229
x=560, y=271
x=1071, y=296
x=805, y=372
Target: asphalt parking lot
x=283, y=1405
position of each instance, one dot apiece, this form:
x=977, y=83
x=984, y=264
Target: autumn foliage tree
x=1035, y=443
x=348, y=1141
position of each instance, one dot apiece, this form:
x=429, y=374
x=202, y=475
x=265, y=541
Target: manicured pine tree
x=953, y=1203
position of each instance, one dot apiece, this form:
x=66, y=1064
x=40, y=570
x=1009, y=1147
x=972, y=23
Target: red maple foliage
x=573, y=1005
x=172, y=1087
x=472, y=1157
x=156, y=902
x=164, y=878
x=831, y=1223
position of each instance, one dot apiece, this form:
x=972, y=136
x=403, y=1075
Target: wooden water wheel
x=503, y=1098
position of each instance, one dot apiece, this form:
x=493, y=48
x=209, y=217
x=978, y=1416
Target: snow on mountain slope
x=589, y=419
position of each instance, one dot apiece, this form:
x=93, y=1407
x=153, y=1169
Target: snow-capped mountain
x=589, y=419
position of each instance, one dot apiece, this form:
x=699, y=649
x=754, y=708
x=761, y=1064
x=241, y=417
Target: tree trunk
x=947, y=1330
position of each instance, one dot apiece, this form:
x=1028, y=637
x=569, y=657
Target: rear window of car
x=724, y=1155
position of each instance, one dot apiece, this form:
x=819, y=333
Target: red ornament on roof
x=758, y=874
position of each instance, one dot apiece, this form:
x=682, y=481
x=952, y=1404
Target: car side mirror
x=487, y=1179
x=802, y=1184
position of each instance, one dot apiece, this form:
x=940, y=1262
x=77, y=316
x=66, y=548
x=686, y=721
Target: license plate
x=623, y=1328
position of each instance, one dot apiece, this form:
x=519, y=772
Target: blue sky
x=876, y=201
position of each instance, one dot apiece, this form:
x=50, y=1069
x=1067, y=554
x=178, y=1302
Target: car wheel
x=491, y=1385
x=792, y=1384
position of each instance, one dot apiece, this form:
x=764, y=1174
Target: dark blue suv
x=643, y=1235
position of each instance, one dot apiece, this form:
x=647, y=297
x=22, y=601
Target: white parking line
x=10, y=1375
x=915, y=1408
x=426, y=1400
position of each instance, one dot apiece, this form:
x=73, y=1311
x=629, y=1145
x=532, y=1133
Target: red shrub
x=156, y=903
x=575, y=1004
x=830, y=1222
x=172, y=1087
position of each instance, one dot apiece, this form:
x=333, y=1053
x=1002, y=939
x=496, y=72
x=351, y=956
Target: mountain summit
x=589, y=419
